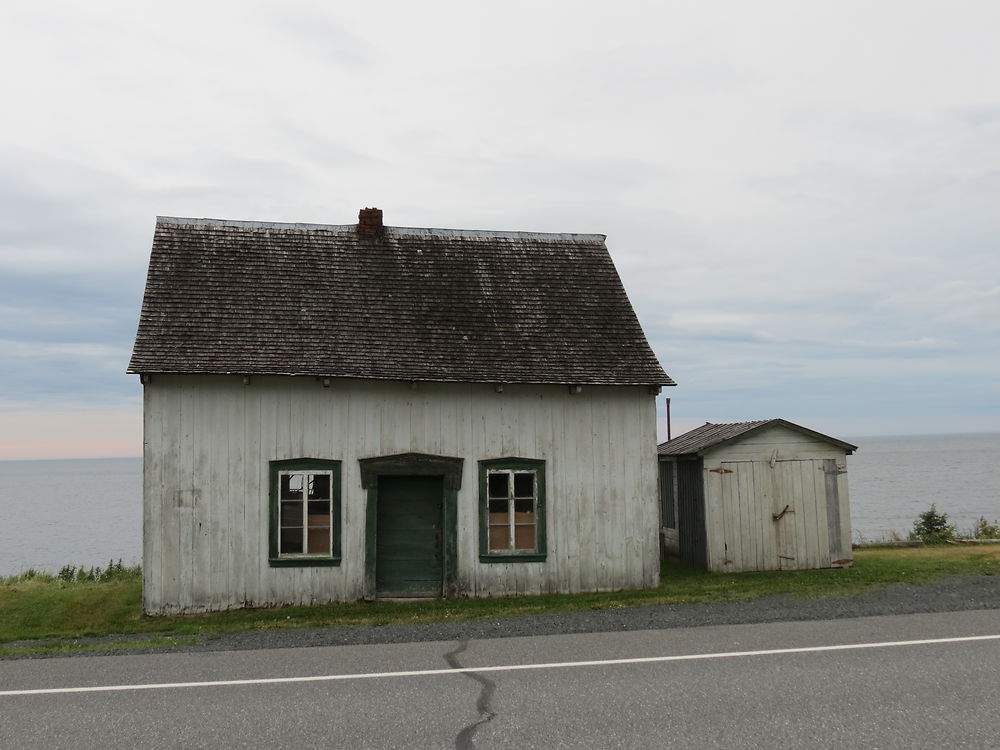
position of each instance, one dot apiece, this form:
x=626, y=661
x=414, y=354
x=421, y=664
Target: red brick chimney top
x=370, y=222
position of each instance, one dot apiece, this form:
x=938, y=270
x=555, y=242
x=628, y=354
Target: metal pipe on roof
x=668, y=418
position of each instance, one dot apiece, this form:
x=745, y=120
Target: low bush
x=932, y=527
x=73, y=574
x=986, y=530
x=114, y=572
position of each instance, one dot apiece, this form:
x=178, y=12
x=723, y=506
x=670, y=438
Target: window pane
x=524, y=537
x=319, y=541
x=291, y=541
x=524, y=484
x=319, y=513
x=499, y=538
x=514, y=508
x=291, y=513
x=319, y=487
x=291, y=486
x=524, y=506
x=498, y=484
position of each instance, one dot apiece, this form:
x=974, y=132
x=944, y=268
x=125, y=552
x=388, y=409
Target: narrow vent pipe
x=668, y=418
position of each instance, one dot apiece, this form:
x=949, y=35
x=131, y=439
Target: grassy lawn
x=45, y=607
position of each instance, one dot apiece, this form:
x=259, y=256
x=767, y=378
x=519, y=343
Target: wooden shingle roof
x=408, y=304
x=711, y=435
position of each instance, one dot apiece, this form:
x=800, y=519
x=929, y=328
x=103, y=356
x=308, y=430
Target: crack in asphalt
x=464, y=739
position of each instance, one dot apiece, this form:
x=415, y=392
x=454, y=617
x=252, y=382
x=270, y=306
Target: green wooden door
x=408, y=539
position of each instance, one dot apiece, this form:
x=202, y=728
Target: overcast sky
x=801, y=197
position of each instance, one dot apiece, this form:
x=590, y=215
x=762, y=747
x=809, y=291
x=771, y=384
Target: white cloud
x=800, y=197
x=71, y=350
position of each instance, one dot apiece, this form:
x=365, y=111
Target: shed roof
x=710, y=435
x=410, y=304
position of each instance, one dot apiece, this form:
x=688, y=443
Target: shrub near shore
x=932, y=527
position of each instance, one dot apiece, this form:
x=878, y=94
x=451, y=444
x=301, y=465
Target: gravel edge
x=952, y=594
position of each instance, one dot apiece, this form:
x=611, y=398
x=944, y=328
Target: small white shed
x=762, y=495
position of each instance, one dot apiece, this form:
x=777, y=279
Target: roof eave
x=143, y=371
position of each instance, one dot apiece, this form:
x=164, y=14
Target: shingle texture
x=412, y=304
x=711, y=435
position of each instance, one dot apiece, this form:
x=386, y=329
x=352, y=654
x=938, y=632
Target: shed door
x=408, y=543
x=802, y=532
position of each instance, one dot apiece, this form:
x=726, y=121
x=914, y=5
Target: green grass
x=47, y=607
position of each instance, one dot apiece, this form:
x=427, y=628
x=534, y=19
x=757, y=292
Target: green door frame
x=414, y=464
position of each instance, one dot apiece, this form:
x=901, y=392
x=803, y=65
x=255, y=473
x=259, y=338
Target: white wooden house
x=356, y=411
x=763, y=495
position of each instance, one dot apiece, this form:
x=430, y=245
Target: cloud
x=59, y=351
x=46, y=374
x=962, y=301
x=800, y=199
x=980, y=116
x=64, y=216
x=314, y=31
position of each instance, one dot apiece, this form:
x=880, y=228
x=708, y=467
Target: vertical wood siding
x=755, y=479
x=208, y=441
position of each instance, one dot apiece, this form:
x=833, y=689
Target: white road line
x=501, y=668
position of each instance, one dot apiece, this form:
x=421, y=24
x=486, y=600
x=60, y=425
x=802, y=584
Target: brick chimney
x=370, y=222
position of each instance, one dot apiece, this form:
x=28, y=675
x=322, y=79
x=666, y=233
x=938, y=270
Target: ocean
x=892, y=480
x=87, y=512
x=69, y=512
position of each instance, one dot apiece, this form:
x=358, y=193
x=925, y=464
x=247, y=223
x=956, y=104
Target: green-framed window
x=512, y=510
x=305, y=512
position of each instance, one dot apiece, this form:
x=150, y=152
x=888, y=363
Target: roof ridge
x=733, y=424
x=389, y=230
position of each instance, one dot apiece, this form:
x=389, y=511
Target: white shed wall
x=208, y=441
x=756, y=478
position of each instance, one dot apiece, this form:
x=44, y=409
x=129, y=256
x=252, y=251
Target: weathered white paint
x=750, y=482
x=208, y=441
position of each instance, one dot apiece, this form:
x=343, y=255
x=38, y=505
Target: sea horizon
x=848, y=438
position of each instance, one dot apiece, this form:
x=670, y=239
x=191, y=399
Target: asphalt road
x=910, y=695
